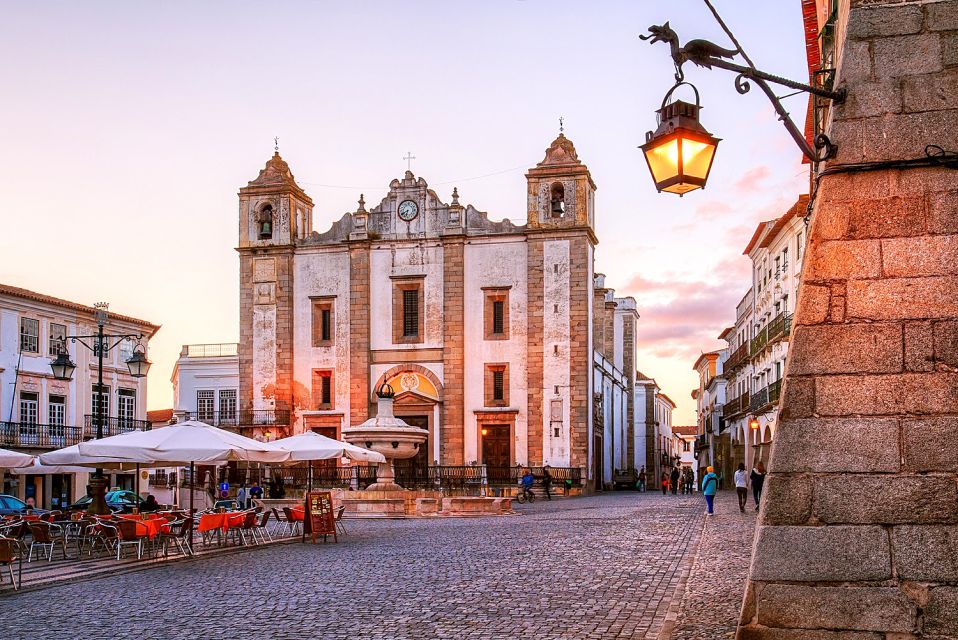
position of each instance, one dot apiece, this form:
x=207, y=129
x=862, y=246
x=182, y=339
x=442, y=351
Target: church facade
x=485, y=329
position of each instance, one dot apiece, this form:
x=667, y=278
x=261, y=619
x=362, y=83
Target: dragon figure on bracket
x=699, y=52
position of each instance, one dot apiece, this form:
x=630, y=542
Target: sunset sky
x=129, y=127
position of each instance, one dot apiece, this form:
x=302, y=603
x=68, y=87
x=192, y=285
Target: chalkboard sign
x=318, y=519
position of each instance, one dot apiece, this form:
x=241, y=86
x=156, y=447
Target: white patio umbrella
x=72, y=457
x=313, y=446
x=41, y=469
x=13, y=459
x=184, y=443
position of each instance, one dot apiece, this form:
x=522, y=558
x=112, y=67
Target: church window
x=265, y=219
x=497, y=385
x=408, y=311
x=496, y=313
x=557, y=199
x=323, y=389
x=322, y=322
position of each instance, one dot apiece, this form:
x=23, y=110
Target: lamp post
x=63, y=369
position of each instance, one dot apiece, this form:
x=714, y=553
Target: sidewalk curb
x=672, y=616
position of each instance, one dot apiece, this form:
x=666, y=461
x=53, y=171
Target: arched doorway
x=418, y=402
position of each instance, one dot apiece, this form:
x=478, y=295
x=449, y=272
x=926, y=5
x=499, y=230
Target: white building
x=684, y=438
x=759, y=343
x=39, y=413
x=714, y=448
x=653, y=428
x=206, y=384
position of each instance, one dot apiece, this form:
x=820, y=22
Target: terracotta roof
x=706, y=356
x=667, y=399
x=159, y=415
x=796, y=209
x=685, y=431
x=26, y=294
x=756, y=236
x=725, y=332
x=813, y=56
x=641, y=376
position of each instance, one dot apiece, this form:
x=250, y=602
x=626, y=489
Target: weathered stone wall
x=858, y=532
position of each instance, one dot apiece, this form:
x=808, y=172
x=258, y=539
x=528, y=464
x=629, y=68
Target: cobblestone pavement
x=596, y=567
x=709, y=608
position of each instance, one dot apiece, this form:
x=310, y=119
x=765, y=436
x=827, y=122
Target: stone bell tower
x=274, y=214
x=561, y=241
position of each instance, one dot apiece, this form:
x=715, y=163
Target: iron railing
x=456, y=478
x=736, y=406
x=701, y=442
x=759, y=399
x=39, y=436
x=113, y=426
x=774, y=391
x=738, y=358
x=244, y=418
x=759, y=341
x=779, y=327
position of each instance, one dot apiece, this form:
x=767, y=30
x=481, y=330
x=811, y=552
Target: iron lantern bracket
x=708, y=54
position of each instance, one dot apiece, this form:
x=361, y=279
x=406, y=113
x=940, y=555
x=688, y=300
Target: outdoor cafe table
x=220, y=522
x=149, y=527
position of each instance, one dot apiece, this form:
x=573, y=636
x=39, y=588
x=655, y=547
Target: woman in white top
x=741, y=487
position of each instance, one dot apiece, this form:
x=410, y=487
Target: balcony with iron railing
x=244, y=418
x=779, y=327
x=738, y=358
x=30, y=435
x=759, y=341
x=736, y=406
x=774, y=392
x=112, y=426
x=759, y=400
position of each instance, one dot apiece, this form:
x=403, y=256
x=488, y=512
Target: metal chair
x=340, y=525
x=263, y=528
x=179, y=535
x=247, y=531
x=9, y=552
x=45, y=535
x=292, y=525
x=126, y=536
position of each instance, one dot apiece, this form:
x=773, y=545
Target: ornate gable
x=560, y=152
x=275, y=173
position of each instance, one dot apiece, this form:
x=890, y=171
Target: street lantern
x=753, y=424
x=680, y=151
x=62, y=366
x=138, y=364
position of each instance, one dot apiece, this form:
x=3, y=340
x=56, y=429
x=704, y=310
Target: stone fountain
x=388, y=435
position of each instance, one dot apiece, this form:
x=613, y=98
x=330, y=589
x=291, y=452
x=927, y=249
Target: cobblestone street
x=597, y=567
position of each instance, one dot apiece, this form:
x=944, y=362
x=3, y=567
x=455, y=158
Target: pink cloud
x=752, y=179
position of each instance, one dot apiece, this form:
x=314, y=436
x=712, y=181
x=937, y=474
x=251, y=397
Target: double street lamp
x=63, y=369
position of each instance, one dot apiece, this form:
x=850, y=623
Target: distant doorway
x=496, y=444
x=414, y=471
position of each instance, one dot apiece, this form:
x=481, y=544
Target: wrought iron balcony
x=112, y=426
x=774, y=391
x=30, y=435
x=245, y=418
x=759, y=341
x=738, y=358
x=779, y=327
x=736, y=406
x=701, y=442
x=759, y=399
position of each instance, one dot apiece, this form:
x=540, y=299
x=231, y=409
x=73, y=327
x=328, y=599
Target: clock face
x=408, y=210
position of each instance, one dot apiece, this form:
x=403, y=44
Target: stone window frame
x=56, y=338
x=491, y=296
x=491, y=369
x=318, y=306
x=324, y=378
x=400, y=286
x=29, y=335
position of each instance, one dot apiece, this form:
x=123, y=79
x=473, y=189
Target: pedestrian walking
x=547, y=481
x=689, y=481
x=758, y=481
x=241, y=496
x=741, y=487
x=674, y=478
x=709, y=487
x=665, y=483
x=642, y=479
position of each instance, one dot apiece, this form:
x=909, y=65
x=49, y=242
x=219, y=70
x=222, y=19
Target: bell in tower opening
x=558, y=200
x=266, y=223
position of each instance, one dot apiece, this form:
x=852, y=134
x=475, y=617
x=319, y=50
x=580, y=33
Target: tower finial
x=276, y=144
x=561, y=125
x=455, y=195
x=362, y=203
